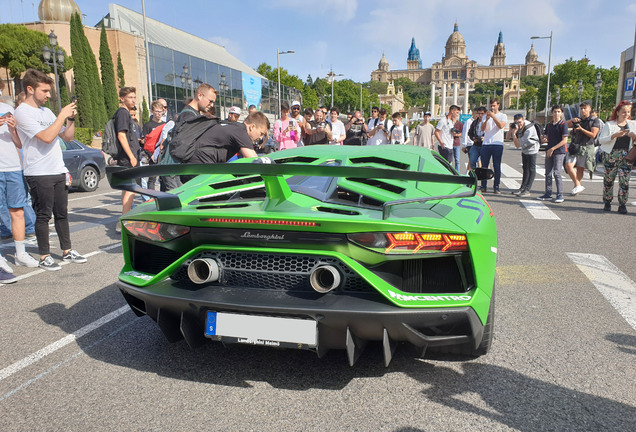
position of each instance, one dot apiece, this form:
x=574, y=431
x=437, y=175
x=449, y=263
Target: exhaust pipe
x=324, y=278
x=203, y=270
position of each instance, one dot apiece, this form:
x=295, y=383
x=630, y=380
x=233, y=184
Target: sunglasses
x=296, y=108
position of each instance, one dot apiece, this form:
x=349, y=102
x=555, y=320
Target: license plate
x=261, y=330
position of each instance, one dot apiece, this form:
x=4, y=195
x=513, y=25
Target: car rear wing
x=275, y=185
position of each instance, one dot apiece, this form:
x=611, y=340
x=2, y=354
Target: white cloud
x=230, y=45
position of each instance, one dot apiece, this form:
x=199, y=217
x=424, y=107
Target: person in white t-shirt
x=39, y=130
x=492, y=125
x=379, y=129
x=13, y=194
x=338, y=131
x=445, y=133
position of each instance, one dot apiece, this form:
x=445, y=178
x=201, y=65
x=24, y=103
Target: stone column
x=442, y=104
x=466, y=93
x=432, y=98
x=455, y=86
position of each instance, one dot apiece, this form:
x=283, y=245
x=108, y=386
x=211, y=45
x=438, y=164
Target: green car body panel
x=356, y=195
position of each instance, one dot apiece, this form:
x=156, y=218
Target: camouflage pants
x=615, y=164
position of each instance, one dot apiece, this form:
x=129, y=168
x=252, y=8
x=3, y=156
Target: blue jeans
x=457, y=152
x=496, y=152
x=473, y=155
x=14, y=194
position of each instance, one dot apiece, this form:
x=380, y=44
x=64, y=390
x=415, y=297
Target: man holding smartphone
x=44, y=169
x=584, y=131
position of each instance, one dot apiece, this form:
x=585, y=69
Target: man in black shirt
x=128, y=148
x=584, y=131
x=318, y=130
x=356, y=129
x=219, y=143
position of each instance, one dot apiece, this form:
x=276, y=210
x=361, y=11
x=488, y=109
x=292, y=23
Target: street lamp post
x=223, y=86
x=332, y=76
x=549, y=62
x=186, y=78
x=580, y=89
x=597, y=85
x=52, y=57
x=278, y=53
x=558, y=95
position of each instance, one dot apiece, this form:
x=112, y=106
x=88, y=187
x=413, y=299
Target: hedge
x=84, y=135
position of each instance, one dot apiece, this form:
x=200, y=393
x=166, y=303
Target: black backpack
x=109, y=140
x=182, y=139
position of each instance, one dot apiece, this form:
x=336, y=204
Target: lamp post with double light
x=278, y=54
x=332, y=77
x=53, y=56
x=597, y=85
x=223, y=87
x=186, y=79
x=549, y=63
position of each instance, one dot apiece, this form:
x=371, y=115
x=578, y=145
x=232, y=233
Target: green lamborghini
x=317, y=248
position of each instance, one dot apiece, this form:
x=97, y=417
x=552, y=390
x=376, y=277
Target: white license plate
x=261, y=330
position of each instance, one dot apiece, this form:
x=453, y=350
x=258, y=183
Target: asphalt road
x=75, y=358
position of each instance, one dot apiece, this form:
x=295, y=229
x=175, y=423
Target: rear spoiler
x=275, y=185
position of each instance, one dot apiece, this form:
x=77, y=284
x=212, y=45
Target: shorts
x=586, y=158
x=13, y=191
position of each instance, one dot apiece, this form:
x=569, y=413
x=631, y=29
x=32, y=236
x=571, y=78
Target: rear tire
x=89, y=179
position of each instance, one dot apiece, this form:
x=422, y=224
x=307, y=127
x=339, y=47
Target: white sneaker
x=26, y=260
x=4, y=265
x=577, y=189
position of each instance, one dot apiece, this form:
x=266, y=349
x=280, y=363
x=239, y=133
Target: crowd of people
x=34, y=181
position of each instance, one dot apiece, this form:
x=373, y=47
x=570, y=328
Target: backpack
x=182, y=139
x=538, y=128
x=109, y=140
x=152, y=139
x=403, y=131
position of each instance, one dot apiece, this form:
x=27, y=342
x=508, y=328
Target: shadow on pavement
x=626, y=343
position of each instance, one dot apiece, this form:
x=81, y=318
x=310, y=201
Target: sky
x=349, y=36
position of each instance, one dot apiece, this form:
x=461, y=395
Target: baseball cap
x=427, y=113
x=294, y=103
x=235, y=110
x=518, y=116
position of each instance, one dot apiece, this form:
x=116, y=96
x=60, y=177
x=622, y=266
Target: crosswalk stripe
x=616, y=286
x=508, y=171
x=538, y=210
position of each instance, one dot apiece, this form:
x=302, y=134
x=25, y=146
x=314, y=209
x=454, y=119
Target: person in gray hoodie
x=524, y=136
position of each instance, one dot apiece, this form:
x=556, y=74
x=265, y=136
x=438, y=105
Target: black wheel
x=467, y=350
x=89, y=179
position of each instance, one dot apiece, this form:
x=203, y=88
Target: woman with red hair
x=617, y=137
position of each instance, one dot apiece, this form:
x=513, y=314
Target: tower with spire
x=413, y=61
x=499, y=53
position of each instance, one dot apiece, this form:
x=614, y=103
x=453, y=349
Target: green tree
x=310, y=99
x=83, y=88
x=120, y=72
x=107, y=68
x=64, y=97
x=145, y=114
x=99, y=116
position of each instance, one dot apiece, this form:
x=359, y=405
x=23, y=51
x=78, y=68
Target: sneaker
x=517, y=191
x=577, y=189
x=622, y=209
x=30, y=235
x=118, y=227
x=544, y=197
x=4, y=265
x=74, y=257
x=523, y=193
x=497, y=192
x=558, y=199
x=48, y=263
x=482, y=190
x=607, y=207
x=6, y=277
x=26, y=260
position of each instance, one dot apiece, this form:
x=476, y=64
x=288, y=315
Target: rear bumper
x=181, y=312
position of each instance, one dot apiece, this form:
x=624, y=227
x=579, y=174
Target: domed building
x=456, y=70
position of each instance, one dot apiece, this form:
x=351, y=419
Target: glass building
x=180, y=61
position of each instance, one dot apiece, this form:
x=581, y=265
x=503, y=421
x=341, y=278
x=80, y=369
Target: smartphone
x=4, y=114
x=74, y=99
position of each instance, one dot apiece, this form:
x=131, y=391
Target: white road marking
x=82, y=210
x=538, y=210
x=93, y=196
x=508, y=171
x=63, y=263
x=510, y=183
x=39, y=355
x=616, y=287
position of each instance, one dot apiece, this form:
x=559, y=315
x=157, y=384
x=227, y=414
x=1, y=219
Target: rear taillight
x=405, y=243
x=155, y=231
